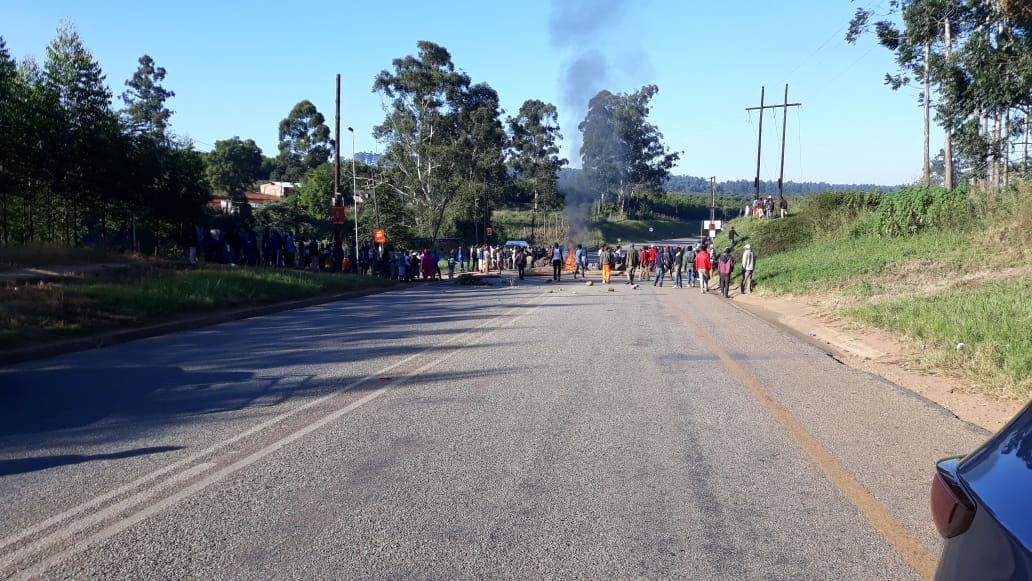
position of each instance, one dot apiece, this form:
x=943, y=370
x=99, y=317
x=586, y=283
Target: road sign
x=489, y=230
x=379, y=236
x=337, y=215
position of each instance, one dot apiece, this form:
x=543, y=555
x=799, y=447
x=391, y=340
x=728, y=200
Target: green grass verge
x=833, y=264
x=940, y=287
x=983, y=333
x=187, y=291
x=142, y=294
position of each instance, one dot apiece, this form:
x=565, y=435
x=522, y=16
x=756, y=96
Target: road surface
x=438, y=431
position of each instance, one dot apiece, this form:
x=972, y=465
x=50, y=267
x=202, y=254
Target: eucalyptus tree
x=926, y=24
x=533, y=151
x=987, y=83
x=304, y=142
x=478, y=164
x=975, y=55
x=621, y=150
x=435, y=120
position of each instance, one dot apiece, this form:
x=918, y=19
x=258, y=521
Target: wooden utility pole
x=338, y=201
x=784, y=107
x=336, y=147
x=759, y=145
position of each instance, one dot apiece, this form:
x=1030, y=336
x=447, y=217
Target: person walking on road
x=726, y=269
x=580, y=262
x=521, y=261
x=702, y=267
x=748, y=266
x=605, y=259
x=557, y=262
x=632, y=263
x=689, y=265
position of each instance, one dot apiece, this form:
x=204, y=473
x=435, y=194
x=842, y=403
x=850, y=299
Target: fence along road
x=443, y=431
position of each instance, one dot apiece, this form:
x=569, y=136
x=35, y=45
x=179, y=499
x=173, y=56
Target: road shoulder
x=881, y=354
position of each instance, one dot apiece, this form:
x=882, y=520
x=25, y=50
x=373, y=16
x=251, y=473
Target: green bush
x=913, y=209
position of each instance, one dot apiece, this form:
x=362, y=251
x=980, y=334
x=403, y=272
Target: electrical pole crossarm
x=778, y=106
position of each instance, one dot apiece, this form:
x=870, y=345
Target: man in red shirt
x=703, y=265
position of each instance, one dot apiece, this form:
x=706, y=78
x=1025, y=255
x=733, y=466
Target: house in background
x=280, y=189
x=268, y=192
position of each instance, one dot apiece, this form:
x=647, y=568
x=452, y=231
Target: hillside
x=920, y=264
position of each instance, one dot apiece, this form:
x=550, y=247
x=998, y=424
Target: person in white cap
x=748, y=266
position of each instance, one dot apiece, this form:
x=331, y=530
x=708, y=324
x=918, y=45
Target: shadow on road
x=34, y=401
x=123, y=392
x=22, y=465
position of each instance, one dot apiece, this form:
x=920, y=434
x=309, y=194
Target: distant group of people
x=244, y=246
x=686, y=266
x=764, y=208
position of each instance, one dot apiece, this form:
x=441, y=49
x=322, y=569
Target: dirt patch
x=879, y=353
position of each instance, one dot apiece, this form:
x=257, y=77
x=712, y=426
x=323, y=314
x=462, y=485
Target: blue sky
x=238, y=68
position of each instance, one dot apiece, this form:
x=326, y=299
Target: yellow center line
x=906, y=544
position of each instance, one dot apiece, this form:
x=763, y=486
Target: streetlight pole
x=354, y=194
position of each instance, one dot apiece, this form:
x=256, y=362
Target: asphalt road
x=529, y=431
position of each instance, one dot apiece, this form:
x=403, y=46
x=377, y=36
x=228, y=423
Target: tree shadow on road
x=22, y=465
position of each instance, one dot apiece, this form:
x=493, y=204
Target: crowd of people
x=686, y=266
x=691, y=266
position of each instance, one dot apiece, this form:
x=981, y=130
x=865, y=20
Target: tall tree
x=435, y=120
x=621, y=150
x=12, y=106
x=84, y=156
x=233, y=166
x=304, y=142
x=479, y=163
x=145, y=100
x=533, y=152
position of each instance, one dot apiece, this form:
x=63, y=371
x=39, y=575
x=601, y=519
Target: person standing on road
x=726, y=269
x=678, y=266
x=702, y=267
x=632, y=262
x=662, y=265
x=605, y=260
x=748, y=266
x=451, y=264
x=521, y=261
x=557, y=262
x=580, y=262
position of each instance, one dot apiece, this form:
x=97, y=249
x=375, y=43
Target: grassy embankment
x=951, y=274
x=142, y=292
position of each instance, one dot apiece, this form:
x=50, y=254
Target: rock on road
x=438, y=431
